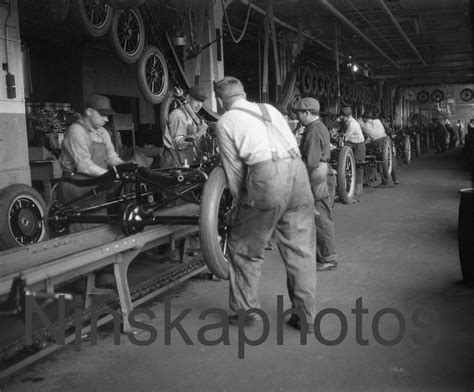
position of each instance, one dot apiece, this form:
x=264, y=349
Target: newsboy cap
x=198, y=92
x=100, y=103
x=307, y=103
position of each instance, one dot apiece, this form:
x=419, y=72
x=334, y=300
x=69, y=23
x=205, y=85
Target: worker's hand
x=202, y=129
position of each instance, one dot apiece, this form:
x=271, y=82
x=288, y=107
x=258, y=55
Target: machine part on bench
x=135, y=218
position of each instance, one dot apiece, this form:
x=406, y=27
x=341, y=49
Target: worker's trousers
x=276, y=198
x=325, y=233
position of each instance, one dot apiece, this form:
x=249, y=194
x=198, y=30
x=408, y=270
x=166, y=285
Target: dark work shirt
x=315, y=145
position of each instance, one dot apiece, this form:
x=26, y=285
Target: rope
x=230, y=27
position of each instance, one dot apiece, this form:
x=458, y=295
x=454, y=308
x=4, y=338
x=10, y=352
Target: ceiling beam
x=399, y=28
x=341, y=17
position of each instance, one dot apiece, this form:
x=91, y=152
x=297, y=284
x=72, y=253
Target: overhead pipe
x=335, y=12
x=289, y=27
x=399, y=28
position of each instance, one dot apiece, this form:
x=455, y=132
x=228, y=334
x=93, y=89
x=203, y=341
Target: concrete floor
x=397, y=249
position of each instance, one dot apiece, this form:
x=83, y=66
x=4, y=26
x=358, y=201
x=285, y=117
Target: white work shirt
x=354, y=132
x=373, y=128
x=243, y=141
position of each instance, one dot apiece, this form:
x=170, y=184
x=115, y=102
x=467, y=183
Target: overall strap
x=267, y=120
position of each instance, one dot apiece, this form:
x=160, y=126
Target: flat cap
x=101, y=104
x=307, y=103
x=198, y=92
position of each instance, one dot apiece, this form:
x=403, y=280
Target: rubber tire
x=306, y=82
x=126, y=57
x=407, y=149
x=346, y=155
x=208, y=223
x=124, y=4
x=387, y=157
x=88, y=27
x=149, y=95
x=8, y=197
x=417, y=145
x=166, y=107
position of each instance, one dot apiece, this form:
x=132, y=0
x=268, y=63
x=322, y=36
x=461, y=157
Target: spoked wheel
x=153, y=75
x=21, y=216
x=407, y=149
x=214, y=219
x=95, y=16
x=128, y=34
x=387, y=157
x=346, y=180
x=417, y=145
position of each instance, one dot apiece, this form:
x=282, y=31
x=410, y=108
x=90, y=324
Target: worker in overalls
x=184, y=129
x=271, y=191
x=87, y=151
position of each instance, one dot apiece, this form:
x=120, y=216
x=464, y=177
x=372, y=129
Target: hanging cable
x=230, y=27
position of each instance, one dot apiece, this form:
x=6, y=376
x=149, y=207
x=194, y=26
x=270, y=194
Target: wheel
x=315, y=87
x=466, y=94
x=417, y=145
x=128, y=34
x=346, y=180
x=407, y=149
x=306, y=83
x=95, y=16
x=54, y=228
x=214, y=218
x=437, y=96
x=124, y=3
x=387, y=157
x=169, y=104
x=21, y=216
x=153, y=75
x=423, y=96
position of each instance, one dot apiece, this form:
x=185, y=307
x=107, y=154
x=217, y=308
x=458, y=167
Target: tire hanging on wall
x=437, y=96
x=216, y=206
x=95, y=16
x=423, y=96
x=306, y=82
x=21, y=216
x=152, y=74
x=127, y=34
x=315, y=89
x=466, y=94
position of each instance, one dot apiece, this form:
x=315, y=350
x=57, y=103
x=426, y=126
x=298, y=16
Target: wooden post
x=338, y=79
x=265, y=59
x=275, y=51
